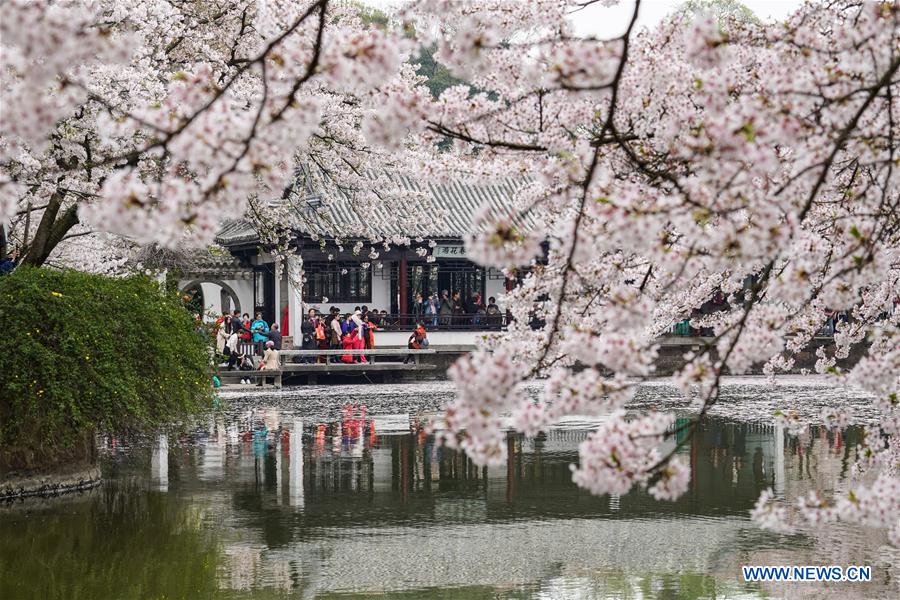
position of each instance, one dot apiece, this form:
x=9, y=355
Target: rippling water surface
x=338, y=492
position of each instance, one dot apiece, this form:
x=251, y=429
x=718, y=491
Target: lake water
x=289, y=495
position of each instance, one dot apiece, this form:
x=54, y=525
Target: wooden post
x=401, y=289
x=510, y=286
x=278, y=272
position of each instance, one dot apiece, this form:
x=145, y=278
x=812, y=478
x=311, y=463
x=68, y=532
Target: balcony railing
x=463, y=322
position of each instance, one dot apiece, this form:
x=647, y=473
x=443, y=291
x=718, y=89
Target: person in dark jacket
x=459, y=308
x=308, y=333
x=274, y=335
x=446, y=308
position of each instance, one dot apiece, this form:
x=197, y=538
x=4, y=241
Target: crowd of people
x=240, y=339
x=447, y=310
x=347, y=331
x=253, y=344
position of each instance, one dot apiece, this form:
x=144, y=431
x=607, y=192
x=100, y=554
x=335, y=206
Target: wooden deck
x=318, y=365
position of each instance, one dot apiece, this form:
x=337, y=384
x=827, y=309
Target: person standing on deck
x=308, y=331
x=418, y=307
x=477, y=308
x=458, y=308
x=231, y=349
x=493, y=313
x=322, y=341
x=274, y=335
x=244, y=332
x=359, y=335
x=432, y=306
x=334, y=329
x=370, y=329
x=445, y=309
x=219, y=324
x=259, y=328
x=235, y=324
x=222, y=331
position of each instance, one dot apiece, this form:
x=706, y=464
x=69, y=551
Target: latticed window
x=452, y=275
x=338, y=282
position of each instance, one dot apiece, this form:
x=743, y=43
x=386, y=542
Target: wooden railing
x=314, y=366
x=370, y=354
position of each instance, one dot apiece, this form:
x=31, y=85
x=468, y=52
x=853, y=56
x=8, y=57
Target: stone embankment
x=48, y=484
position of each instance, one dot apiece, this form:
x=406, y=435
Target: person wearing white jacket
x=357, y=318
x=222, y=335
x=232, y=352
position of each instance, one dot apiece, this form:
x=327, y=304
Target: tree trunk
x=51, y=230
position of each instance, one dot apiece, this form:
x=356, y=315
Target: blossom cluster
x=622, y=453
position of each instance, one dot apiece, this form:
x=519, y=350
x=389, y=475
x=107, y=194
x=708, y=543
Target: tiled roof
x=450, y=207
x=238, y=231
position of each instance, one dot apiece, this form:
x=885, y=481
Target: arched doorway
x=226, y=300
x=192, y=298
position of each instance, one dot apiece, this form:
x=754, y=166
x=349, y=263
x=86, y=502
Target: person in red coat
x=348, y=342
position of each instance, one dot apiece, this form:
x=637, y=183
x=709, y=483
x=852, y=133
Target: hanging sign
x=447, y=251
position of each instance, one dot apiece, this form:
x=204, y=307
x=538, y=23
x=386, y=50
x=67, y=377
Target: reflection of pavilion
x=336, y=508
x=329, y=465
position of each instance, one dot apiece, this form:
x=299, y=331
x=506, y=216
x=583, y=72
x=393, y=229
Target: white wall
x=212, y=296
x=244, y=290
x=384, y=339
x=212, y=300
x=495, y=288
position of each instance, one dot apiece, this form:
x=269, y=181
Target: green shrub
x=83, y=352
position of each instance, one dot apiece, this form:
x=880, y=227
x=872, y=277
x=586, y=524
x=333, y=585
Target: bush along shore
x=86, y=353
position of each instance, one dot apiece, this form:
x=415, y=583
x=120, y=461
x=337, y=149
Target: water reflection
x=367, y=504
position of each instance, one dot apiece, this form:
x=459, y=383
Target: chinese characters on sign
x=441, y=251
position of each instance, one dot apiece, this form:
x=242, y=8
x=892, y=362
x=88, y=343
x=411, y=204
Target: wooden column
x=278, y=292
x=401, y=289
x=510, y=286
x=295, y=301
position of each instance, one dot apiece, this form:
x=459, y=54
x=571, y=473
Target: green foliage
x=84, y=352
x=438, y=77
x=731, y=9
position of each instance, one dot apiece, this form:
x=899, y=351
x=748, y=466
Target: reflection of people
x=759, y=474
